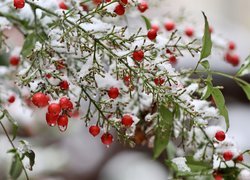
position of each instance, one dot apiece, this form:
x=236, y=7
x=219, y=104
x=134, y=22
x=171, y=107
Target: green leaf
x=245, y=68
x=206, y=40
x=29, y=44
x=147, y=22
x=16, y=167
x=220, y=103
x=31, y=155
x=246, y=88
x=209, y=89
x=205, y=64
x=13, y=122
x=163, y=131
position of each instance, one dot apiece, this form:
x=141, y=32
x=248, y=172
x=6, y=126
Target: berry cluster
x=58, y=113
x=230, y=56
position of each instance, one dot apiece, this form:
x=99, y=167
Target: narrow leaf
x=13, y=122
x=163, y=131
x=220, y=103
x=245, y=68
x=205, y=64
x=147, y=22
x=206, y=40
x=29, y=44
x=245, y=87
x=31, y=155
x=16, y=167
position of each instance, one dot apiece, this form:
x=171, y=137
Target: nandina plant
x=79, y=59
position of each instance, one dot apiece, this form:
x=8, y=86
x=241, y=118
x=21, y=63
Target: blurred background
x=77, y=155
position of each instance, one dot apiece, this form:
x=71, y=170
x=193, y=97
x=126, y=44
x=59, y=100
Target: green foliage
x=206, y=40
x=245, y=68
x=163, y=130
x=29, y=44
x=147, y=22
x=220, y=103
x=16, y=167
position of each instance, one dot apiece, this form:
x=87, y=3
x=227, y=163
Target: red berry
x=64, y=85
x=189, y=32
x=48, y=76
x=240, y=158
x=94, y=130
x=62, y=122
x=63, y=6
x=11, y=99
x=235, y=60
x=113, y=92
x=51, y=119
x=138, y=55
x=66, y=104
x=220, y=135
x=142, y=6
x=168, y=51
x=19, y=4
x=172, y=59
x=54, y=108
x=127, y=120
x=14, y=60
x=119, y=10
x=107, y=138
x=40, y=100
x=231, y=45
x=218, y=177
x=159, y=81
x=155, y=27
x=169, y=26
x=85, y=7
x=152, y=34
x=211, y=30
x=227, y=155
x=124, y=2
x=127, y=80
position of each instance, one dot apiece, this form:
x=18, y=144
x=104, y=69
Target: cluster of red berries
x=107, y=138
x=230, y=56
x=58, y=113
x=227, y=155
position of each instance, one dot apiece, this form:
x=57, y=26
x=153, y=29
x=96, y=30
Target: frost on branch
x=84, y=59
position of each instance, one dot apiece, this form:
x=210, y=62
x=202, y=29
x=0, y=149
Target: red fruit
x=159, y=81
x=155, y=27
x=48, y=76
x=172, y=59
x=240, y=158
x=138, y=55
x=127, y=120
x=124, y=2
x=227, y=155
x=19, y=4
x=54, y=108
x=220, y=135
x=107, y=138
x=85, y=7
x=40, y=100
x=113, y=92
x=218, y=177
x=94, y=130
x=211, y=30
x=189, y=32
x=66, y=104
x=11, y=99
x=119, y=10
x=231, y=45
x=235, y=60
x=142, y=6
x=152, y=34
x=51, y=119
x=64, y=85
x=127, y=80
x=62, y=122
x=168, y=51
x=14, y=60
x=63, y=6
x=169, y=26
